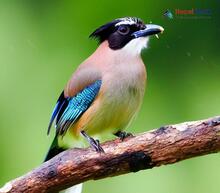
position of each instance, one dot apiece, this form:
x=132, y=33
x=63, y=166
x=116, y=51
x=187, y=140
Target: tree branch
x=165, y=145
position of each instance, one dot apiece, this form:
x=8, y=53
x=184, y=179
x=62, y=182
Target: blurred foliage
x=42, y=42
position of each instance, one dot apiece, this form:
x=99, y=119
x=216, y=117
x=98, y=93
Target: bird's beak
x=150, y=29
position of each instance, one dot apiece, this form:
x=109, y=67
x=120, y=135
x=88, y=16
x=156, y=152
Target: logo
x=168, y=14
x=193, y=13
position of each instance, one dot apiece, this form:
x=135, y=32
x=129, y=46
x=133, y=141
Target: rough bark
x=166, y=145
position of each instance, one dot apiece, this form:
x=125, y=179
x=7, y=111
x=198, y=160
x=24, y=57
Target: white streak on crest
x=126, y=21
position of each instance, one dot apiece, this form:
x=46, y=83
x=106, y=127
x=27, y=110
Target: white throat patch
x=135, y=46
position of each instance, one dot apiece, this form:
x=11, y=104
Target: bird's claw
x=96, y=145
x=122, y=135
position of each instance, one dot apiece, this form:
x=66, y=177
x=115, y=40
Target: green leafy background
x=42, y=42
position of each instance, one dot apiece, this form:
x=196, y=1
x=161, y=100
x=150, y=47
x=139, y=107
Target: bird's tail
x=74, y=189
x=53, y=151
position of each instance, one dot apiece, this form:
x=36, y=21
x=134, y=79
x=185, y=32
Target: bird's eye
x=123, y=30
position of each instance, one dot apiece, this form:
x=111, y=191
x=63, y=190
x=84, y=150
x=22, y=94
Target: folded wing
x=69, y=109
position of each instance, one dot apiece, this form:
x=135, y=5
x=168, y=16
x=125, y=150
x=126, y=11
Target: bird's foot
x=122, y=135
x=94, y=143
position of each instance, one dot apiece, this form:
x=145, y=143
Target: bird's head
x=128, y=33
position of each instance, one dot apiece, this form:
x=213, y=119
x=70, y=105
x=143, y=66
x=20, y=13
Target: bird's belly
x=113, y=111
x=121, y=109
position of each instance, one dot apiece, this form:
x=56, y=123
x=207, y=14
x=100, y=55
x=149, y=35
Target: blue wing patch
x=68, y=110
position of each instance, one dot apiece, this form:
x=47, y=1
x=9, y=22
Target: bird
x=106, y=91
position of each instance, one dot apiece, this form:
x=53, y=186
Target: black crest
x=104, y=31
